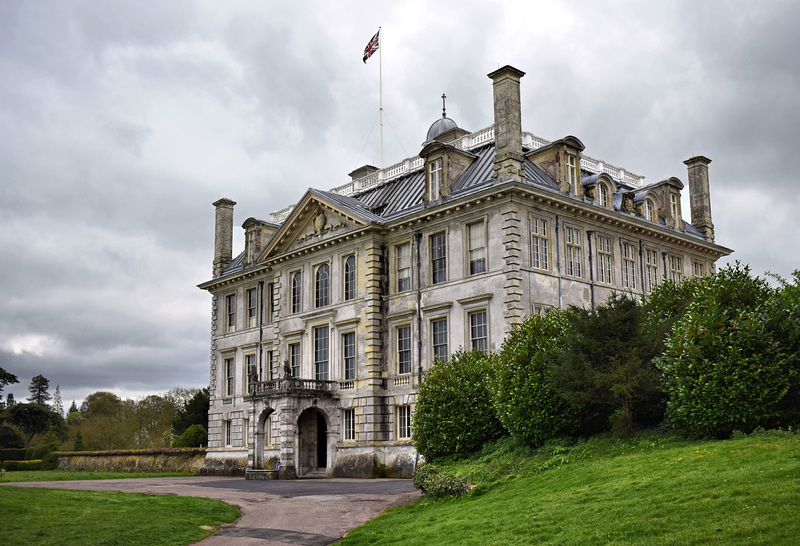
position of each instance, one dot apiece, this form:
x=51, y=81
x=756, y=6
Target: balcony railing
x=295, y=386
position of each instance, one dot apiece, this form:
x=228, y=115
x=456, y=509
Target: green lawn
x=60, y=476
x=59, y=516
x=649, y=490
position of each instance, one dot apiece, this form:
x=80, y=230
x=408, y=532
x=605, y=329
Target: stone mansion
x=323, y=327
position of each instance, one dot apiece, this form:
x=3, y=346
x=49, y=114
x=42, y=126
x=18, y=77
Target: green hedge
x=22, y=465
x=13, y=454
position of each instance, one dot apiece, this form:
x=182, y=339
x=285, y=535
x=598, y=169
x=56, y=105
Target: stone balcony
x=294, y=386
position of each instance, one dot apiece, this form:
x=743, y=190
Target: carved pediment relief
x=311, y=222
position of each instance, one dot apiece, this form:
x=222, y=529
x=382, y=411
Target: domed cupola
x=444, y=129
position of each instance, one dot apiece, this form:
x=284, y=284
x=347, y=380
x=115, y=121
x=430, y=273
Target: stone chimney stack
x=700, y=196
x=508, y=159
x=223, y=235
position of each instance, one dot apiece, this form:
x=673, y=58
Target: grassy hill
x=648, y=490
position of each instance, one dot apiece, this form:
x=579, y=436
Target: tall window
x=350, y=278
x=539, y=249
x=230, y=310
x=404, y=350
x=321, y=353
x=250, y=370
x=246, y=432
x=252, y=307
x=403, y=261
x=476, y=234
x=628, y=266
x=404, y=421
x=478, y=331
x=297, y=291
x=294, y=359
x=230, y=378
x=349, y=418
x=434, y=179
x=602, y=195
x=271, y=302
x=603, y=259
x=322, y=286
x=572, y=174
x=228, y=432
x=675, y=268
x=673, y=203
x=438, y=258
x=349, y=355
x=650, y=211
x=572, y=240
x=651, y=268
x=439, y=335
x=271, y=364
x=698, y=269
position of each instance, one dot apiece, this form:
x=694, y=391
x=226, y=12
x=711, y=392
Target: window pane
x=404, y=350
x=478, y=331
x=350, y=278
x=349, y=350
x=321, y=353
x=477, y=248
x=403, y=259
x=439, y=333
x=296, y=292
x=438, y=258
x=322, y=286
x=294, y=359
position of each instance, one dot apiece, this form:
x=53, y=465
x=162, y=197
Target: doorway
x=312, y=442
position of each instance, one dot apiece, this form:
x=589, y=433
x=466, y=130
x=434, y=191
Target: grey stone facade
x=324, y=326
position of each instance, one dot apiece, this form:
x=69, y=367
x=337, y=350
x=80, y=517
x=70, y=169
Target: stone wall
x=140, y=460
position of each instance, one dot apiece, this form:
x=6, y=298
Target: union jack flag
x=372, y=46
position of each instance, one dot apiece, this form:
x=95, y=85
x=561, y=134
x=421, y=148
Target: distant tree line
x=708, y=356
x=103, y=421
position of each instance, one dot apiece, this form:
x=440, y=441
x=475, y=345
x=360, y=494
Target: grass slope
x=58, y=516
x=62, y=475
x=650, y=490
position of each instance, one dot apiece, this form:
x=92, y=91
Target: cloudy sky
x=121, y=122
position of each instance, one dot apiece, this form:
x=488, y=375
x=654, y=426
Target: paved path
x=309, y=512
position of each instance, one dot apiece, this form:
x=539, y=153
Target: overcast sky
x=121, y=122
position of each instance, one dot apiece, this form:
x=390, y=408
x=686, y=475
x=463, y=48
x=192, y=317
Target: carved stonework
x=318, y=221
x=319, y=227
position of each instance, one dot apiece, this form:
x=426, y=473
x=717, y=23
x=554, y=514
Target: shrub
x=723, y=368
x=434, y=484
x=454, y=412
x=22, y=465
x=10, y=438
x=524, y=399
x=194, y=436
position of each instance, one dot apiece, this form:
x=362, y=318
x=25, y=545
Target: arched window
x=350, y=278
x=296, y=291
x=602, y=195
x=322, y=285
x=649, y=210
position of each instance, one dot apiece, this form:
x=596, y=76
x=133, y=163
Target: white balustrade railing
x=467, y=142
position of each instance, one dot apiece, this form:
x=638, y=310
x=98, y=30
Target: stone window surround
x=579, y=245
x=484, y=220
x=395, y=270
x=606, y=253
x=549, y=221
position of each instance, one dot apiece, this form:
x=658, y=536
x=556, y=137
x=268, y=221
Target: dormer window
x=673, y=202
x=649, y=210
x=434, y=179
x=572, y=174
x=602, y=195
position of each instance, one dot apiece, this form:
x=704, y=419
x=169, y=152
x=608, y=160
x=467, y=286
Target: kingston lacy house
x=323, y=327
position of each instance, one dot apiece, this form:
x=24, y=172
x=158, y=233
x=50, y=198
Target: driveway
x=311, y=512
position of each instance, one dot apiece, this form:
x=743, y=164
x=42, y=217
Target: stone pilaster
x=512, y=251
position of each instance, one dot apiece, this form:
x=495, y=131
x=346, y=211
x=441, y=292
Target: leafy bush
x=49, y=461
x=524, y=399
x=607, y=359
x=12, y=454
x=10, y=438
x=723, y=368
x=194, y=436
x=22, y=465
x=434, y=484
x=454, y=412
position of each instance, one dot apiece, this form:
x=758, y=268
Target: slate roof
x=404, y=195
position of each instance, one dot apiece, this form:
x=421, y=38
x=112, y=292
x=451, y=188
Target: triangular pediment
x=314, y=220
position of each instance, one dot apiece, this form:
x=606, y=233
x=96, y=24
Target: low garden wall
x=188, y=459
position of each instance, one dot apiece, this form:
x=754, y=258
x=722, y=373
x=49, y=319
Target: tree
x=193, y=412
x=73, y=407
x=32, y=419
x=525, y=401
x=607, y=360
x=10, y=400
x=58, y=407
x=151, y=418
x=38, y=389
x=10, y=438
x=454, y=412
x=194, y=436
x=728, y=365
x=100, y=403
x=7, y=378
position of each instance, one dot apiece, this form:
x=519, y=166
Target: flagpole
x=380, y=86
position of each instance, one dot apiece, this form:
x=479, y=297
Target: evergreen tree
x=38, y=389
x=10, y=400
x=73, y=407
x=58, y=407
x=7, y=379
